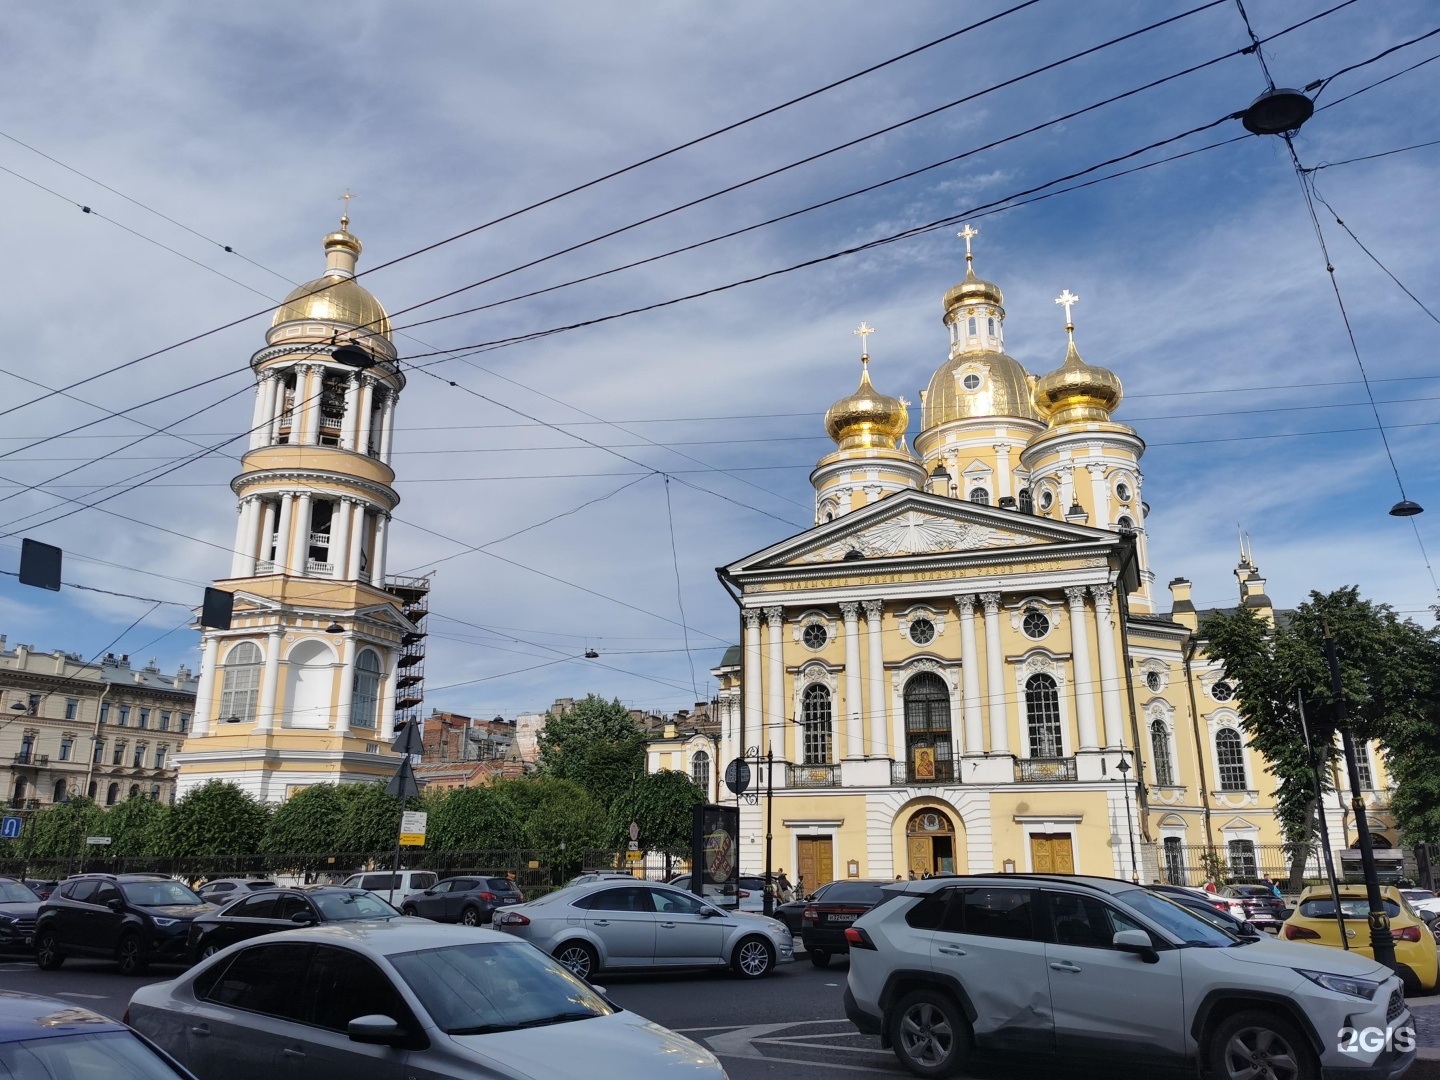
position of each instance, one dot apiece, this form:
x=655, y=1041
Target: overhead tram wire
x=679, y=593
x=559, y=196
x=1371, y=157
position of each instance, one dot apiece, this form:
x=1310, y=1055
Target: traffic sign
x=634, y=845
x=412, y=828
x=634, y=856
x=97, y=840
x=10, y=828
x=634, y=830
x=737, y=776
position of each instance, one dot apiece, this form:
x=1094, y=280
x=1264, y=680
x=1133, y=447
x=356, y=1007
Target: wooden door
x=817, y=861
x=1052, y=853
x=922, y=855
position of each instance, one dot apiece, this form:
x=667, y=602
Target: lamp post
x=1124, y=769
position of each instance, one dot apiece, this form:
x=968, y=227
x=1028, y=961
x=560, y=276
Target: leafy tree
x=370, y=819
x=663, y=808
x=307, y=823
x=59, y=831
x=552, y=812
x=474, y=818
x=216, y=818
x=598, y=745
x=135, y=827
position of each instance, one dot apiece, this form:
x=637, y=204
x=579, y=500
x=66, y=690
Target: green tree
x=59, y=831
x=370, y=819
x=663, y=807
x=307, y=823
x=552, y=812
x=474, y=818
x=598, y=745
x=135, y=827
x=216, y=818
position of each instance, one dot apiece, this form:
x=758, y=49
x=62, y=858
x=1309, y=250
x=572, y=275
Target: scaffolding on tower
x=414, y=596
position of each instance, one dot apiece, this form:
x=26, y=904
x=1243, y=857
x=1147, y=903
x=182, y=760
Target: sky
x=186, y=130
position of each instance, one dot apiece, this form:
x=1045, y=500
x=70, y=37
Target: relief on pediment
x=914, y=533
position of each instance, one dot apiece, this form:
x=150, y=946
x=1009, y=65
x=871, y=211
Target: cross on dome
x=863, y=331
x=345, y=213
x=966, y=234
x=1067, y=300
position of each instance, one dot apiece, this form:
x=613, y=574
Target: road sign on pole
x=412, y=828
x=634, y=830
x=737, y=776
x=10, y=828
x=634, y=856
x=98, y=840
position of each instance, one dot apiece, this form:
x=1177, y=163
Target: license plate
x=843, y=918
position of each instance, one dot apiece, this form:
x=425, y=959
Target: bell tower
x=302, y=688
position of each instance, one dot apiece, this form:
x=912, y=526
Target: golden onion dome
x=867, y=418
x=336, y=296
x=972, y=290
x=978, y=384
x=1075, y=392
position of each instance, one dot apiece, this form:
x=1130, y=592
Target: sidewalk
x=1425, y=1011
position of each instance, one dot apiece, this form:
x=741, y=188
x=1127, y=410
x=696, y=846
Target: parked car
x=19, y=907
x=1201, y=904
x=599, y=875
x=468, y=900
x=223, y=890
x=749, y=895
x=1255, y=904
x=42, y=1037
x=1082, y=968
x=40, y=887
x=1416, y=897
x=608, y=925
x=281, y=909
x=826, y=918
x=135, y=918
x=392, y=888
x=1313, y=923
x=383, y=1001
x=790, y=913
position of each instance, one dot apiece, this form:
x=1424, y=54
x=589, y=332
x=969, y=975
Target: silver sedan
x=402, y=1000
x=610, y=924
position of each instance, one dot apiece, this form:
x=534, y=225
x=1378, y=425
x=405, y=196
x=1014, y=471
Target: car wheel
x=754, y=958
x=409, y=911
x=930, y=1035
x=579, y=957
x=48, y=956
x=819, y=957
x=470, y=917
x=1251, y=1044
x=209, y=951
x=129, y=957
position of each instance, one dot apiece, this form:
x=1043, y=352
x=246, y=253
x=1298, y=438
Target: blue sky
x=1201, y=281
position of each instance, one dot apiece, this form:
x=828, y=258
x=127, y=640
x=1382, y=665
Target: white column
x=854, y=734
x=387, y=426
x=300, y=530
x=277, y=408
x=283, y=541
x=259, y=417
x=387, y=699
x=879, y=729
x=362, y=430
x=237, y=554
x=775, y=710
x=1002, y=472
x=314, y=382
x=269, y=682
x=205, y=691
x=340, y=537
x=357, y=541
x=1084, y=684
x=249, y=538
x=267, y=530
x=350, y=423
x=347, y=685
x=1109, y=669
x=750, y=673
x=382, y=544
x=970, y=676
x=995, y=676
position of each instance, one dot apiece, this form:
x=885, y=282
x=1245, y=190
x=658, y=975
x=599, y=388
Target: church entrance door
x=816, y=865
x=930, y=843
x=1052, y=853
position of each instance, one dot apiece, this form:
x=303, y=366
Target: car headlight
x=1342, y=984
x=7, y=920
x=163, y=922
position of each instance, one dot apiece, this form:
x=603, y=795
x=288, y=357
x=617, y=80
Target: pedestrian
x=783, y=885
x=1210, y=884
x=912, y=875
x=1274, y=887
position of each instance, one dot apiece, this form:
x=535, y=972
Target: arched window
x=992, y=327
x=1042, y=712
x=59, y=791
x=815, y=721
x=94, y=788
x=365, y=702
x=928, y=749
x=240, y=690
x=1026, y=501
x=112, y=794
x=700, y=769
x=971, y=326
x=1124, y=524
x=1160, y=752
x=1230, y=760
x=20, y=783
x=980, y=495
x=155, y=792
x=134, y=790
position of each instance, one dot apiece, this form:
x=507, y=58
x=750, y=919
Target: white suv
x=1091, y=967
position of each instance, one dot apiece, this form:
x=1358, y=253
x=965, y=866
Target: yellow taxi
x=1313, y=923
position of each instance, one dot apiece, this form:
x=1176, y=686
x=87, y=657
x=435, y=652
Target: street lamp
x=1124, y=769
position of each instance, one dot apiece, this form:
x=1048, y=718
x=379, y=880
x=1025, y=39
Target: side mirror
x=376, y=1030
x=115, y=904
x=709, y=913
x=304, y=918
x=1138, y=942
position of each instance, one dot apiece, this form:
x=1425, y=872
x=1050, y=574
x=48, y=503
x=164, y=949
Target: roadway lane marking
x=88, y=997
x=740, y=1043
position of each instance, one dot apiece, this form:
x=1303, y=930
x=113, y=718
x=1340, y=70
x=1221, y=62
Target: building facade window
x=72, y=708
x=1154, y=681
x=139, y=758
x=118, y=757
x=1230, y=760
x=20, y=785
x=134, y=790
x=99, y=756
x=124, y=716
x=1222, y=691
x=1042, y=714
x=815, y=635
x=816, y=723
x=1035, y=623
x=94, y=787
x=58, y=795
x=160, y=757
x=1363, y=767
x=1160, y=753
x=164, y=719
x=184, y=722
x=32, y=705
x=1242, y=860
x=927, y=728
x=700, y=769
x=1026, y=501
x=112, y=794
x=365, y=702
x=980, y=495
x=105, y=712
x=1174, y=849
x=67, y=747
x=144, y=721
x=922, y=630
x=27, y=750
x=155, y=792
x=240, y=690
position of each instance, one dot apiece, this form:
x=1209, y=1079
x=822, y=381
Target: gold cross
x=966, y=234
x=1067, y=300
x=864, y=330
x=345, y=214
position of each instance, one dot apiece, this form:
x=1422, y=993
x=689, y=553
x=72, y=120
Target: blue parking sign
x=10, y=828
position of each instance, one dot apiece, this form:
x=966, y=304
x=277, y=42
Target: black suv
x=134, y=918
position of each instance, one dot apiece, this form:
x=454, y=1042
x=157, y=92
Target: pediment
x=916, y=533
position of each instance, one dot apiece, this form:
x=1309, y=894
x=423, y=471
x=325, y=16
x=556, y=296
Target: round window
x=815, y=636
x=1036, y=624
x=1222, y=691
x=1154, y=682
x=971, y=381
x=922, y=631
x=1122, y=491
x=1047, y=499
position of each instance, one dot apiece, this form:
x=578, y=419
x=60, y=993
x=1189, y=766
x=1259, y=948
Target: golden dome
x=867, y=418
x=1075, y=392
x=972, y=290
x=336, y=296
x=978, y=384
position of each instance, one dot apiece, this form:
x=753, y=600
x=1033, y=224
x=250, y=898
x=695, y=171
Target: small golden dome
x=336, y=296
x=867, y=418
x=1075, y=392
x=978, y=384
x=972, y=290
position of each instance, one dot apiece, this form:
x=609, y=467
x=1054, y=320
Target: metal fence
x=1238, y=863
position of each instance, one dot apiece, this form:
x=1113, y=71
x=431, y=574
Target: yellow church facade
x=962, y=666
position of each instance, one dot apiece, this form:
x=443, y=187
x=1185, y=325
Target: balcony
x=812, y=776
x=903, y=772
x=38, y=761
x=1044, y=770
x=314, y=566
x=264, y=566
x=320, y=539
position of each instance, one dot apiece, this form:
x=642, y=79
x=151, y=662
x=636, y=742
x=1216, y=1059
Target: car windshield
x=493, y=986
x=12, y=892
x=158, y=893
x=1182, y=922
x=853, y=892
x=116, y=1055
x=1352, y=907
x=339, y=906
x=1417, y=894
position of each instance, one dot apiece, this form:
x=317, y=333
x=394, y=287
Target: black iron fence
x=1239, y=862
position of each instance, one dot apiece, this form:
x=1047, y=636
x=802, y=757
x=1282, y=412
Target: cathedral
x=324, y=649
x=963, y=666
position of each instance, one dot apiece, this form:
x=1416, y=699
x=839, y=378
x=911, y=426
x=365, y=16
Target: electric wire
x=1370, y=157
x=1373, y=59
x=1379, y=82
x=679, y=594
